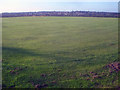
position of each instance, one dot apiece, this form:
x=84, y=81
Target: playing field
x=59, y=52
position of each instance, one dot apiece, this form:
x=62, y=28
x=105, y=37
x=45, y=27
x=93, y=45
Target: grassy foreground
x=55, y=52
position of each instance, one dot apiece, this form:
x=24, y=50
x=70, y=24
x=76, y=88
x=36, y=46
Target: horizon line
x=58, y=11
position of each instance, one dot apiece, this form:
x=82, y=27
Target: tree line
x=63, y=13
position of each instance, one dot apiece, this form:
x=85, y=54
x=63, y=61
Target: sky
x=42, y=5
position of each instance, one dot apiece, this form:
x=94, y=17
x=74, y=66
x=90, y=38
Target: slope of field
x=68, y=52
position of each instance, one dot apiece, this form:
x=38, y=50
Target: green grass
x=59, y=51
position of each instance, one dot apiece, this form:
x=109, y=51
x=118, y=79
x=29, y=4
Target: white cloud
x=17, y=5
x=71, y=0
x=84, y=0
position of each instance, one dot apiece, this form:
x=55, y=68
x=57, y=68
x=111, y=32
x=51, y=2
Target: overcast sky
x=35, y=5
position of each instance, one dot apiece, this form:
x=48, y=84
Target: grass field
x=59, y=52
